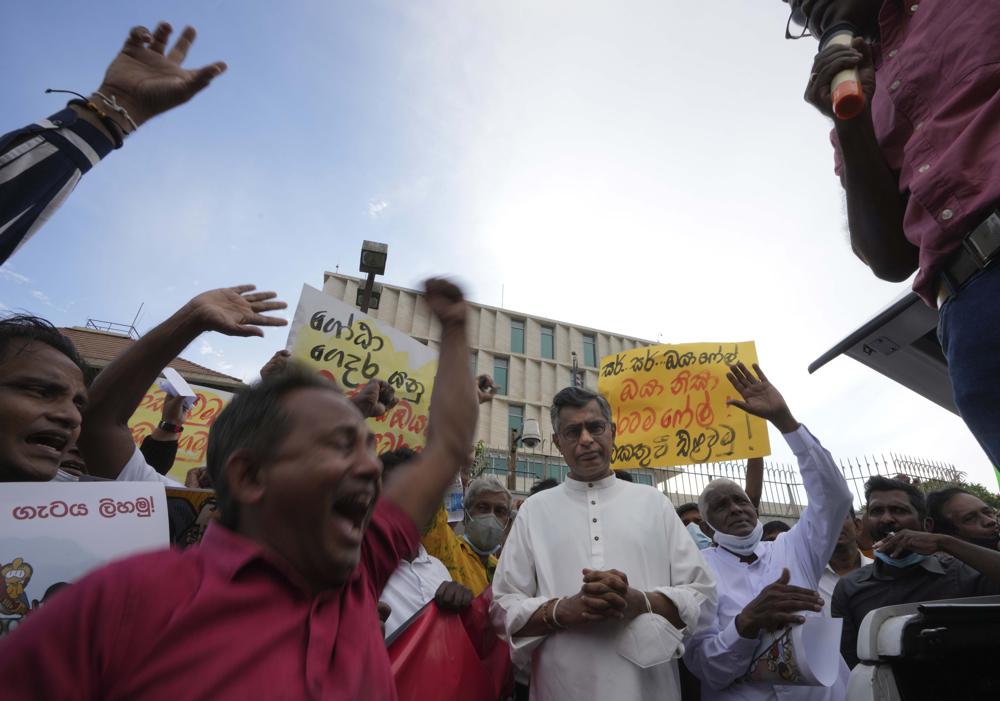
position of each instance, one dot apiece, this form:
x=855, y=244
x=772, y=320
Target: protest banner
x=53, y=533
x=669, y=405
x=351, y=348
x=193, y=442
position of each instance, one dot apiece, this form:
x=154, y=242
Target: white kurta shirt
x=718, y=655
x=607, y=524
x=411, y=586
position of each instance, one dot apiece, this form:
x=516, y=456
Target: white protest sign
x=53, y=533
x=800, y=655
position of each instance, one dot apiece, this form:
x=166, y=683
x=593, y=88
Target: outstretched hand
x=760, y=397
x=486, y=388
x=235, y=311
x=146, y=81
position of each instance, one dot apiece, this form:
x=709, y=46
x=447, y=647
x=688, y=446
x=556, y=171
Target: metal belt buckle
x=989, y=231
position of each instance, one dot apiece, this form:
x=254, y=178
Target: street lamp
x=529, y=436
x=373, y=257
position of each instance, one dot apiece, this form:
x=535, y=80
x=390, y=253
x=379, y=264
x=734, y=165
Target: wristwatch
x=170, y=428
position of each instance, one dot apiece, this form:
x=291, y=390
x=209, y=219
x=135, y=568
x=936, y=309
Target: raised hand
x=277, y=364
x=146, y=81
x=831, y=61
x=776, y=606
x=760, y=397
x=375, y=398
x=486, y=388
x=446, y=302
x=235, y=311
x=173, y=410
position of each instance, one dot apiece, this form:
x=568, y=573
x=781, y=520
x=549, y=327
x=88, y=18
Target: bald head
x=727, y=508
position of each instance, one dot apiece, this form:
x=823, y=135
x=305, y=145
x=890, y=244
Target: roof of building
x=98, y=348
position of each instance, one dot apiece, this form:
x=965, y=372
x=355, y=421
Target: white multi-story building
x=529, y=357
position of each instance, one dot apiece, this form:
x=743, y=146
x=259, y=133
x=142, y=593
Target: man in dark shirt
x=911, y=564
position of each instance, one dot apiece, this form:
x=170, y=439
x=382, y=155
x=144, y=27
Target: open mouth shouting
x=351, y=512
x=50, y=444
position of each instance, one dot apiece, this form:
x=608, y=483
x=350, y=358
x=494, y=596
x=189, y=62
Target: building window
x=515, y=417
x=500, y=374
x=589, y=351
x=517, y=335
x=474, y=362
x=548, y=342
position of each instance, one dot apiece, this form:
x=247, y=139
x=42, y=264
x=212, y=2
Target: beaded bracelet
x=117, y=133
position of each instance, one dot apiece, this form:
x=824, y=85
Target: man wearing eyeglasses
x=921, y=168
x=599, y=582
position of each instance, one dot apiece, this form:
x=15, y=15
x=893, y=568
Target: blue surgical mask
x=908, y=561
x=700, y=539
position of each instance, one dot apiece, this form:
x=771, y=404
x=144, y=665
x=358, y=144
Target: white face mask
x=741, y=545
x=484, y=532
x=649, y=640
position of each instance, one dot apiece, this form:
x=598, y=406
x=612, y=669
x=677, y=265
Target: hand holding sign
x=375, y=399
x=235, y=311
x=760, y=397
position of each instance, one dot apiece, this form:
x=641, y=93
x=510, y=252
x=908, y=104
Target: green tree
x=979, y=490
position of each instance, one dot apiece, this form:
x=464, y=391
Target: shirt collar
x=577, y=486
x=230, y=553
x=877, y=571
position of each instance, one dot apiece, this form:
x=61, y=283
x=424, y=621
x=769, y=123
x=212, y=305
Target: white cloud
x=207, y=349
x=7, y=274
x=41, y=296
x=376, y=207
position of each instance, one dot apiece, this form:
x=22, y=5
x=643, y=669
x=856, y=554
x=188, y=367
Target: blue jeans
x=969, y=331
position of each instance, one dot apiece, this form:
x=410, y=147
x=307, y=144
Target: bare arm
x=421, y=484
x=105, y=440
x=984, y=560
x=755, y=481
x=875, y=206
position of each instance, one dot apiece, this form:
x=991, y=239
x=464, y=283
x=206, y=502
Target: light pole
x=373, y=257
x=529, y=436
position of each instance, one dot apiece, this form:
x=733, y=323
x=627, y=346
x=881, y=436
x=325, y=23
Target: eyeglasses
x=788, y=25
x=573, y=432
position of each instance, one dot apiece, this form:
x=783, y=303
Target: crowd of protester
x=321, y=552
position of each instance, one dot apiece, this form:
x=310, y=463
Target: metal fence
x=784, y=495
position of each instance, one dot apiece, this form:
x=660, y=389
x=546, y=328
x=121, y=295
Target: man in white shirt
x=765, y=586
x=847, y=557
x=599, y=582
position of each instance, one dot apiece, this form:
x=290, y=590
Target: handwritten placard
x=53, y=533
x=193, y=442
x=669, y=405
x=352, y=348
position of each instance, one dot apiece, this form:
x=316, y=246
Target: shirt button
x=918, y=125
x=924, y=168
x=894, y=85
x=593, y=503
x=595, y=520
x=892, y=54
x=913, y=7
x=597, y=537
x=947, y=214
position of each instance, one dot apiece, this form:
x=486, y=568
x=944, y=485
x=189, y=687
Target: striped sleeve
x=39, y=166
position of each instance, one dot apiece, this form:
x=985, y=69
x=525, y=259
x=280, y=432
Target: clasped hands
x=605, y=595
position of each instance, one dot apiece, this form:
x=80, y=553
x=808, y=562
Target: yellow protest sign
x=193, y=442
x=669, y=405
x=352, y=348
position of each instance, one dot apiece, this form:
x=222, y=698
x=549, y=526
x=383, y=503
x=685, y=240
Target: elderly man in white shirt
x=765, y=586
x=599, y=583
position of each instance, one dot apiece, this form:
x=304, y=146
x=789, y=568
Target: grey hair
x=711, y=487
x=576, y=397
x=487, y=484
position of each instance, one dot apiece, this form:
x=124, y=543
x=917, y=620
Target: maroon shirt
x=936, y=112
x=223, y=620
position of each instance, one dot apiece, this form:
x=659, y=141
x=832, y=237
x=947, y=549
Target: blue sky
x=646, y=167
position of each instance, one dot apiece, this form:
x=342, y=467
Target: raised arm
x=815, y=535
x=105, y=439
x=41, y=163
x=984, y=560
x=755, y=481
x=875, y=206
x=420, y=485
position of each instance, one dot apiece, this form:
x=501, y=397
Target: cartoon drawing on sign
x=16, y=576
